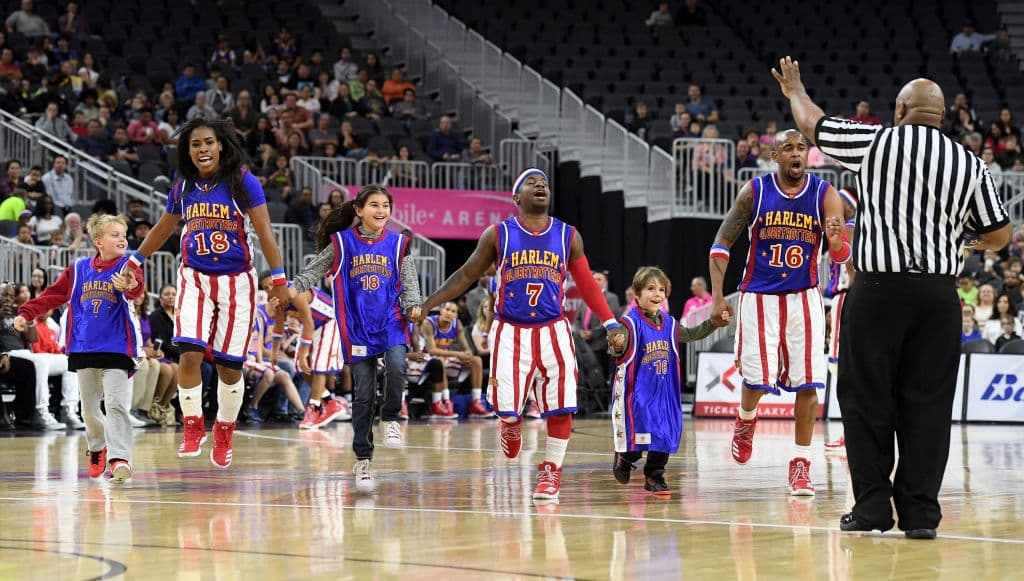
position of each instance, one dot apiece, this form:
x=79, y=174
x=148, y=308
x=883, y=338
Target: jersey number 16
x=794, y=256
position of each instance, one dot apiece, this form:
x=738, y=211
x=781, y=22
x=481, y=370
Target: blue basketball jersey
x=444, y=339
x=321, y=307
x=531, y=269
x=650, y=384
x=214, y=238
x=367, y=285
x=100, y=319
x=785, y=236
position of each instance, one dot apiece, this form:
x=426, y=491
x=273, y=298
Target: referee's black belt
x=890, y=276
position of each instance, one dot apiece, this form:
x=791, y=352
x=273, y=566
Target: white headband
x=522, y=178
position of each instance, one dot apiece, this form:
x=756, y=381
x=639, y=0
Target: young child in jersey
x=445, y=338
x=318, y=357
x=216, y=280
x=102, y=337
x=375, y=290
x=647, y=413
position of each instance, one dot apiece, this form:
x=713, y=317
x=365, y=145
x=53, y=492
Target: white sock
x=314, y=402
x=555, y=451
x=435, y=396
x=801, y=451
x=326, y=396
x=477, y=393
x=747, y=416
x=445, y=395
x=191, y=401
x=229, y=400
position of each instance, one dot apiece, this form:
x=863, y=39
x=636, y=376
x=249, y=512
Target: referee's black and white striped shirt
x=918, y=191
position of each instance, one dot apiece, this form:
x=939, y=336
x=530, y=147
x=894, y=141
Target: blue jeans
x=364, y=396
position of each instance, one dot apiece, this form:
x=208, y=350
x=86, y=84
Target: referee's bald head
x=920, y=101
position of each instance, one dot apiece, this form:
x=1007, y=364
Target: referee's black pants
x=898, y=358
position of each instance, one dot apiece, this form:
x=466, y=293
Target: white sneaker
x=136, y=422
x=49, y=422
x=70, y=418
x=365, y=481
x=392, y=434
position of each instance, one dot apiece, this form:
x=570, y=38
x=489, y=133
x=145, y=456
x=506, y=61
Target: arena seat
x=977, y=346
x=1015, y=347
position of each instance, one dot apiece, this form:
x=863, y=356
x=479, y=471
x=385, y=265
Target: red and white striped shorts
x=325, y=354
x=541, y=360
x=781, y=341
x=216, y=311
x=836, y=314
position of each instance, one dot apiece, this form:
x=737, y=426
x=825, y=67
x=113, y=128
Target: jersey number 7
x=534, y=289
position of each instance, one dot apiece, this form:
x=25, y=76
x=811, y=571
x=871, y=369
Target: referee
x=923, y=199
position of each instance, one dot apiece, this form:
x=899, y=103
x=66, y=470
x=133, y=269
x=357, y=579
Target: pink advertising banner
x=452, y=214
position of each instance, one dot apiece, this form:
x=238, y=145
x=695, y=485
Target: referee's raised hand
x=788, y=76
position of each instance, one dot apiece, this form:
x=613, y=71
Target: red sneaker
x=477, y=410
x=800, y=477
x=312, y=413
x=439, y=411
x=222, y=435
x=97, y=463
x=331, y=409
x=511, y=436
x=549, y=478
x=836, y=444
x=404, y=414
x=120, y=470
x=450, y=407
x=194, y=437
x=743, y=440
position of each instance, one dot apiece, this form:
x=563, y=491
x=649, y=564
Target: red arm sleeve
x=52, y=297
x=137, y=291
x=591, y=293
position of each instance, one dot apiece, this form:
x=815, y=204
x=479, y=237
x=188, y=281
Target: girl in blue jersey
x=216, y=280
x=103, y=339
x=647, y=412
x=375, y=290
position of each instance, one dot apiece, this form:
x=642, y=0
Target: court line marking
x=512, y=514
x=341, y=558
x=116, y=567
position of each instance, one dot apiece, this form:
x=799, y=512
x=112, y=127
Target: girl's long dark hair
x=232, y=157
x=342, y=217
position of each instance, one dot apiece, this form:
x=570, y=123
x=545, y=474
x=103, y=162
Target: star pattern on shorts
x=619, y=434
x=618, y=415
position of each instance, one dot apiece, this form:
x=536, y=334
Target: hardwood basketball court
x=450, y=506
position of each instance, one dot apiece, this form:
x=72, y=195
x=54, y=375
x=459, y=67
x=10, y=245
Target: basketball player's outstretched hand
x=617, y=339
x=125, y=280
x=414, y=314
x=788, y=76
x=281, y=294
x=721, y=312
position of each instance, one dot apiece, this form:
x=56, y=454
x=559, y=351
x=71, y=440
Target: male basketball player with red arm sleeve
x=533, y=347
x=780, y=342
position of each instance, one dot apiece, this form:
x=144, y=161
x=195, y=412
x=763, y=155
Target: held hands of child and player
x=305, y=343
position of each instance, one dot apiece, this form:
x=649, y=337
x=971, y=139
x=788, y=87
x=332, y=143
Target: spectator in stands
x=11, y=207
x=295, y=145
x=223, y=55
x=700, y=298
x=863, y=114
x=969, y=39
x=307, y=100
x=372, y=105
x=8, y=68
x=691, y=14
x=200, y=109
x=26, y=22
x=301, y=119
x=323, y=210
x=79, y=125
x=243, y=115
x=285, y=45
x=973, y=142
x=138, y=233
x=989, y=157
x=699, y=108
x=402, y=171
x=89, y=105
x=279, y=176
x=104, y=206
x=336, y=198
x=589, y=326
x=639, y=121
x=970, y=330
x=260, y=138
x=443, y=144
x=303, y=213
x=985, y=308
x=74, y=235
x=220, y=98
x=995, y=138
x=357, y=86
x=476, y=154
x=1011, y=151
x=11, y=180
x=1009, y=333
x=72, y=23
x=1000, y=49
x=88, y=70
x=394, y=88
x=1008, y=123
x=16, y=371
x=144, y=131
x=374, y=68
x=342, y=105
x=284, y=74
x=161, y=323
x=25, y=231
x=966, y=290
x=350, y=146
x=326, y=89
x=408, y=110
x=1005, y=307
x=169, y=127
x=60, y=185
x=304, y=77
x=677, y=122
x=123, y=155
x=322, y=135
x=658, y=18
x=744, y=158
x=32, y=70
x=136, y=213
x=43, y=222
x=345, y=69
x=188, y=85
x=710, y=158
